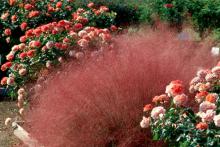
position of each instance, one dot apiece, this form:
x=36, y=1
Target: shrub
x=176, y=12
x=19, y=16
x=49, y=44
x=127, y=10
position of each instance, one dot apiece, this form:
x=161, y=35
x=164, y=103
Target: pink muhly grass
x=99, y=103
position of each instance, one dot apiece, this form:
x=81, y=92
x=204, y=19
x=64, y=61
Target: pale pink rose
x=50, y=44
x=49, y=64
x=208, y=116
x=15, y=48
x=21, y=98
x=82, y=33
x=145, y=123
x=61, y=60
x=22, y=72
x=21, y=91
x=180, y=100
x=8, y=39
x=196, y=87
x=21, y=46
x=72, y=53
x=158, y=112
x=211, y=77
x=10, y=81
x=204, y=87
x=217, y=120
x=8, y=121
x=202, y=73
x=73, y=34
x=83, y=43
x=21, y=111
x=204, y=106
x=91, y=34
x=5, y=16
x=195, y=81
x=216, y=70
x=192, y=89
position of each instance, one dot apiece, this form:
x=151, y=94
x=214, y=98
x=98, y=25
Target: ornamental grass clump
x=97, y=103
x=172, y=120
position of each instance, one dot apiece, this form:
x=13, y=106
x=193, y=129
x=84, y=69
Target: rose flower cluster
x=172, y=119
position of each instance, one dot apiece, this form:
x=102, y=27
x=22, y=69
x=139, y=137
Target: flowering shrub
x=172, y=119
x=18, y=16
x=49, y=44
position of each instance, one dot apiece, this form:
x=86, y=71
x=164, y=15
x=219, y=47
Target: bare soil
x=7, y=139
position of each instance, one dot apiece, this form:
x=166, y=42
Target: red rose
x=90, y=5
x=4, y=80
x=22, y=55
x=103, y=8
x=10, y=57
x=37, y=44
x=78, y=26
x=59, y=4
x=14, y=18
x=8, y=64
x=148, y=107
x=202, y=126
x=28, y=6
x=29, y=33
x=33, y=14
x=37, y=32
x=3, y=68
x=23, y=39
x=50, y=9
x=168, y=5
x=58, y=45
x=30, y=53
x=23, y=25
x=7, y=32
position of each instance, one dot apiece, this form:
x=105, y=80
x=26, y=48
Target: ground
x=7, y=109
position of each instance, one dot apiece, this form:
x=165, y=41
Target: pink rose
x=204, y=106
x=158, y=112
x=145, y=123
x=180, y=100
x=208, y=116
x=217, y=120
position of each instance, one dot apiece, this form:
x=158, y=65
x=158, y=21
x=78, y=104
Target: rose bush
x=177, y=120
x=18, y=16
x=50, y=44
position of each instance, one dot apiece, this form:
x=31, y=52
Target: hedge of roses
x=172, y=119
x=47, y=45
x=17, y=16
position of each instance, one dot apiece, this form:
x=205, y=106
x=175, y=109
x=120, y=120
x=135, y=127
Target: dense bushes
x=203, y=14
x=49, y=44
